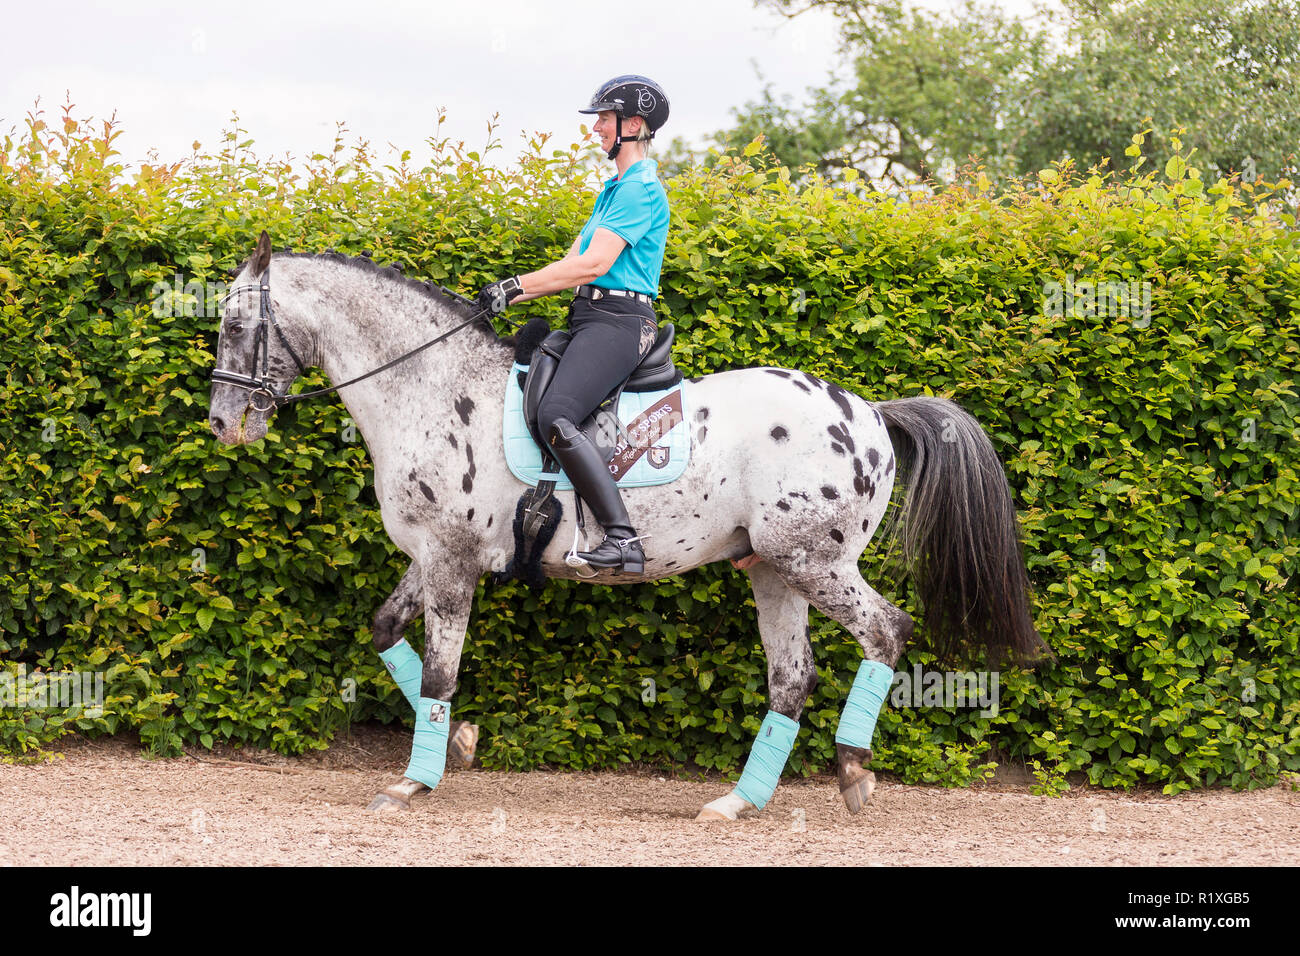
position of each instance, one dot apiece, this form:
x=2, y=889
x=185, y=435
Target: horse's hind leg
x=791, y=676
x=882, y=630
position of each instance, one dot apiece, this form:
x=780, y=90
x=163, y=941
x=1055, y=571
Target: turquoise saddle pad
x=656, y=422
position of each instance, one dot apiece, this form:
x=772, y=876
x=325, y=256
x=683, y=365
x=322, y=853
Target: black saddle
x=538, y=511
x=602, y=427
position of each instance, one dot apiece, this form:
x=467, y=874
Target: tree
x=1227, y=72
x=921, y=93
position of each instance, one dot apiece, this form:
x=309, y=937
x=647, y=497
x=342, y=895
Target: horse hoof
x=388, y=803
x=725, y=808
x=859, y=792
x=708, y=814
x=463, y=743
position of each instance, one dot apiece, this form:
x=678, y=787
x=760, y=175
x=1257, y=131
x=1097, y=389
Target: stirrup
x=574, y=560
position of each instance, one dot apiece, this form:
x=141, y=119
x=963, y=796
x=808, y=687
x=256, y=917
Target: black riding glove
x=496, y=296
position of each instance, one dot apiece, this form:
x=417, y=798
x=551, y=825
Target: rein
x=263, y=395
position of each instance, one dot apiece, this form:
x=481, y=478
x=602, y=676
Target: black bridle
x=264, y=396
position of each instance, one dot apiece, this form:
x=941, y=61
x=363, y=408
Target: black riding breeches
x=610, y=337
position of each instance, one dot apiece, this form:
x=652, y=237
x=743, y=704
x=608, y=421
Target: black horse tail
x=958, y=533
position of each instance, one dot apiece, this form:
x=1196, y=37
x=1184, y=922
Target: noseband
x=264, y=396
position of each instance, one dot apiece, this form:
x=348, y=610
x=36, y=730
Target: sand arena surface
x=103, y=802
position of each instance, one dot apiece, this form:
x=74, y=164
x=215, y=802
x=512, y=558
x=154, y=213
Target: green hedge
x=1155, y=467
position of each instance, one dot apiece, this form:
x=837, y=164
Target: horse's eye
x=235, y=328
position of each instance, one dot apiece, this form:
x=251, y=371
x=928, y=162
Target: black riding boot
x=590, y=475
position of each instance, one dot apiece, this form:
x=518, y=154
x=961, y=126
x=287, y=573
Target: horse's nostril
x=218, y=426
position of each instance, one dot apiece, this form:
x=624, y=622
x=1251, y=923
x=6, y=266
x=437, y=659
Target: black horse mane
x=393, y=273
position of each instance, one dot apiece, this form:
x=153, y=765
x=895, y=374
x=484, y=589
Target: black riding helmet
x=627, y=96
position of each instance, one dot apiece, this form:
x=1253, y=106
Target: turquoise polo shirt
x=634, y=208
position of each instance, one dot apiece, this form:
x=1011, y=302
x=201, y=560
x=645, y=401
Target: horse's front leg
x=448, y=598
x=403, y=606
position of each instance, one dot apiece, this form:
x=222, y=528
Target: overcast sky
x=291, y=69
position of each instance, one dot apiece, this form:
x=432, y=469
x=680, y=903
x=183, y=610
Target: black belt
x=598, y=292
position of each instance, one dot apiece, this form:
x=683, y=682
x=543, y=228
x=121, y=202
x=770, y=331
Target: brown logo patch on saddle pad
x=644, y=430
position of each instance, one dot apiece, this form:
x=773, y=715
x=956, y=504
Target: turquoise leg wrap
x=767, y=759
x=870, y=688
x=404, y=664
x=429, y=748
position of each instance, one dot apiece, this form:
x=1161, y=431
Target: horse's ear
x=262, y=256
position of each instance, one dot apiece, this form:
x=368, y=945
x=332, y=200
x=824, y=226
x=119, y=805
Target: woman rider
x=614, y=264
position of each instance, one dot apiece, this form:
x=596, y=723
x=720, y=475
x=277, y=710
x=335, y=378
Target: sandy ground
x=104, y=803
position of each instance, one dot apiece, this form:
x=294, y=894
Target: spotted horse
x=789, y=476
